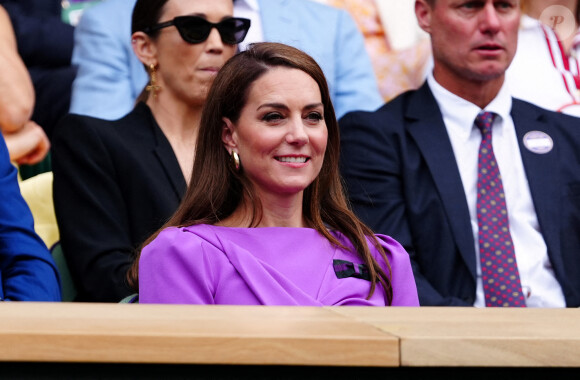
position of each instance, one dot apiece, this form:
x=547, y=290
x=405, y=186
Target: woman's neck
x=277, y=211
x=175, y=117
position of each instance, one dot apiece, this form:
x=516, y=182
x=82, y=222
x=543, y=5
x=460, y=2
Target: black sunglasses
x=195, y=30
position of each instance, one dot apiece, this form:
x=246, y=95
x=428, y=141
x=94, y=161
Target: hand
x=27, y=146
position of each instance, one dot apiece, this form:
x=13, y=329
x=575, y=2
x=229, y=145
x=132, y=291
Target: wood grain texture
x=138, y=333
x=479, y=337
x=304, y=336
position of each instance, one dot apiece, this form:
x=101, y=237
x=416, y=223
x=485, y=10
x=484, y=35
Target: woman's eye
x=272, y=116
x=314, y=116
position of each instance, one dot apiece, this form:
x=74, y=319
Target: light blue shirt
x=110, y=77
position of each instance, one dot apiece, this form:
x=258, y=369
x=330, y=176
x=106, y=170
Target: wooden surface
x=303, y=336
x=490, y=337
x=137, y=333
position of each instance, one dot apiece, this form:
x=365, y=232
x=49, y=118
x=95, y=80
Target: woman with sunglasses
x=268, y=223
x=116, y=182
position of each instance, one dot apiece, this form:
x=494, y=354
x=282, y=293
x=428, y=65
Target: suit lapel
x=425, y=125
x=164, y=154
x=542, y=172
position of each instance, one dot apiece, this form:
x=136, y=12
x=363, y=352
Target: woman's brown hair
x=217, y=188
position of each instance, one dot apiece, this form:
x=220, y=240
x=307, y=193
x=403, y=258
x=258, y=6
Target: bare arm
x=27, y=142
x=16, y=90
x=27, y=146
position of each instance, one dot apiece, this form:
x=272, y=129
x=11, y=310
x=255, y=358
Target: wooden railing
x=288, y=336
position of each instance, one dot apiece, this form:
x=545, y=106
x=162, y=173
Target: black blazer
x=115, y=183
x=403, y=181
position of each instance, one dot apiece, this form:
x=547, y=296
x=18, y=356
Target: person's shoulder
x=170, y=235
x=173, y=238
x=332, y=15
x=523, y=107
x=140, y=114
x=183, y=240
x=391, y=111
x=311, y=5
x=303, y=10
x=72, y=124
x=396, y=254
x=107, y=22
x=389, y=244
x=200, y=232
x=105, y=9
x=326, y=8
x=131, y=122
x=212, y=234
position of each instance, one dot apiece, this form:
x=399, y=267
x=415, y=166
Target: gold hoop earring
x=153, y=87
x=236, y=159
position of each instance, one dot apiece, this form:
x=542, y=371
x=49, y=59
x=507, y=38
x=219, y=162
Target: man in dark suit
x=414, y=168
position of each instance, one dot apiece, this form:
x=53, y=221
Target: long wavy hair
x=217, y=188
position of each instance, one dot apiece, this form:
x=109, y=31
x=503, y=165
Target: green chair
x=133, y=298
x=69, y=292
x=68, y=289
x=29, y=171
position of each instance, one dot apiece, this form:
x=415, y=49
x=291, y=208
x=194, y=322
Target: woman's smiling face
x=281, y=133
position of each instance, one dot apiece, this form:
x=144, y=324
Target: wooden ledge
x=138, y=333
x=488, y=337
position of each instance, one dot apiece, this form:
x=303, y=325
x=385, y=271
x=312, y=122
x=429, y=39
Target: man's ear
x=228, y=135
x=144, y=48
x=423, y=14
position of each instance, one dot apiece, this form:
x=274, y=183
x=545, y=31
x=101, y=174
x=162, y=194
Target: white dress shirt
x=537, y=276
x=250, y=9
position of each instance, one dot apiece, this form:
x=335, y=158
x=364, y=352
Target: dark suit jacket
x=403, y=181
x=115, y=183
x=43, y=39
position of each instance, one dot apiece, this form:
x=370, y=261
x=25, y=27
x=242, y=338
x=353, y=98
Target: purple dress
x=205, y=264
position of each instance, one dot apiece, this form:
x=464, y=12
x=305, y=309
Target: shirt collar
x=462, y=112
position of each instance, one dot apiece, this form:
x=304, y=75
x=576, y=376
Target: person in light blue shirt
x=110, y=77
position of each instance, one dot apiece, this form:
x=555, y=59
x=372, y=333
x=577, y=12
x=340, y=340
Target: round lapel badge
x=538, y=142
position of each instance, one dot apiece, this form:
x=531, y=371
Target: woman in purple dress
x=267, y=221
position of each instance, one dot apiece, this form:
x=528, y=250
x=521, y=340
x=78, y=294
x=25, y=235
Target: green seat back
x=68, y=288
x=133, y=298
